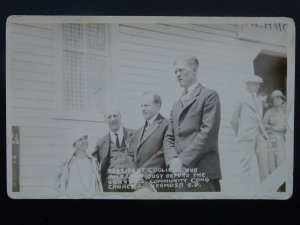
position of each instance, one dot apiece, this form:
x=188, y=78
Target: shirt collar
x=191, y=88
x=152, y=119
x=119, y=132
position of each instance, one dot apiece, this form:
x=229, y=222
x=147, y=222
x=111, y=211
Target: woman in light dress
x=79, y=175
x=275, y=124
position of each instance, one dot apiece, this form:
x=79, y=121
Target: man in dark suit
x=111, y=151
x=147, y=147
x=191, y=141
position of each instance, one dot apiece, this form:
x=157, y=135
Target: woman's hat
x=278, y=93
x=77, y=133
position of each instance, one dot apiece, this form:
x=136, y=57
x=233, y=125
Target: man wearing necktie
x=111, y=151
x=184, y=98
x=247, y=124
x=147, y=147
x=191, y=141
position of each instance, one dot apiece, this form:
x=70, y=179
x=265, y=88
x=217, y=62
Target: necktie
x=117, y=140
x=145, y=128
x=146, y=125
x=184, y=97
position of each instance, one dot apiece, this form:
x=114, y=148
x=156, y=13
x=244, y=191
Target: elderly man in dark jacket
x=111, y=151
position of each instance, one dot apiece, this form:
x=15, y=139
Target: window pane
x=96, y=68
x=73, y=35
x=95, y=37
x=84, y=68
x=74, y=81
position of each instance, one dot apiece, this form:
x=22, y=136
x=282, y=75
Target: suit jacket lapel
x=151, y=129
x=140, y=133
x=177, y=109
x=192, y=98
x=249, y=101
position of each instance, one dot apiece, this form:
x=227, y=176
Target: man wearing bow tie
x=147, y=147
x=191, y=141
x=112, y=153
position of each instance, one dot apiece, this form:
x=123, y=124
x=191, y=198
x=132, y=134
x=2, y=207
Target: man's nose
x=179, y=74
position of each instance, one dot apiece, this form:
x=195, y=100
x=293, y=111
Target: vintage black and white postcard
x=150, y=107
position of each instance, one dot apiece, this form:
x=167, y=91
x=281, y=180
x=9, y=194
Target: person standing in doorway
x=275, y=123
x=247, y=125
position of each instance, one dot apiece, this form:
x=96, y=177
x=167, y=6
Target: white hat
x=77, y=133
x=253, y=78
x=277, y=93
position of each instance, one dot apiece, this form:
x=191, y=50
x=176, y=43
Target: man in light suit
x=111, y=151
x=191, y=141
x=147, y=147
x=247, y=124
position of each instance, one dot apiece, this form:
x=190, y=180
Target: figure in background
x=272, y=152
x=247, y=125
x=79, y=175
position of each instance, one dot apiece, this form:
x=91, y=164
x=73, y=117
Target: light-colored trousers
x=248, y=163
x=270, y=157
x=258, y=162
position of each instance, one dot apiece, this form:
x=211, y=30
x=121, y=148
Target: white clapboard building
x=62, y=75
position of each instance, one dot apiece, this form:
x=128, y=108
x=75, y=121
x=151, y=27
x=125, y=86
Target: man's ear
x=195, y=69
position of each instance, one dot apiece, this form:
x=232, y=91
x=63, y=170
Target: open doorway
x=273, y=70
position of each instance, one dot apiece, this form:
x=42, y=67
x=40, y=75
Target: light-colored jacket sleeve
x=60, y=182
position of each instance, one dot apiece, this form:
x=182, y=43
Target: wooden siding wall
x=146, y=55
x=45, y=142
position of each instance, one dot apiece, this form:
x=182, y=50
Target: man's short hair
x=190, y=60
x=156, y=97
